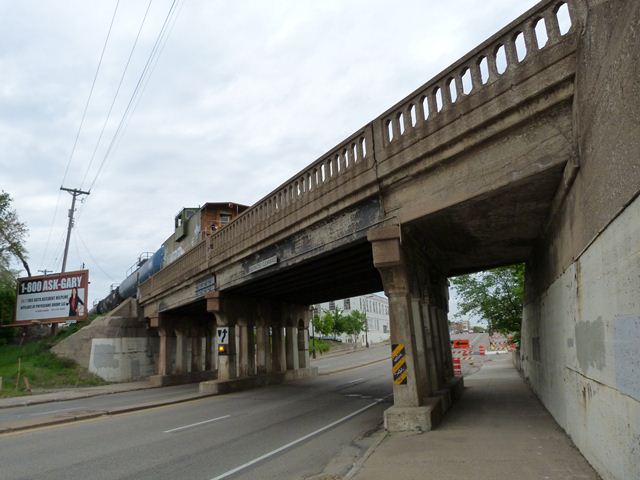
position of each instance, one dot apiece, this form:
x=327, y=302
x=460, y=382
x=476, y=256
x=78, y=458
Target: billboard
x=53, y=298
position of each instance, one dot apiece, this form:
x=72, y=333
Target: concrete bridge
x=525, y=150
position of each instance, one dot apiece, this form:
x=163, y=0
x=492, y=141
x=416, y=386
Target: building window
x=332, y=305
x=225, y=218
x=347, y=304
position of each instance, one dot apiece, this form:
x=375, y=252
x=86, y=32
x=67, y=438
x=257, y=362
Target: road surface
x=295, y=430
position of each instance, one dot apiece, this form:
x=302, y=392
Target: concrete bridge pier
x=421, y=368
x=263, y=348
x=278, y=348
x=303, y=343
x=181, y=358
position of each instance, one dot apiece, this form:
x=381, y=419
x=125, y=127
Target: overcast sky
x=242, y=96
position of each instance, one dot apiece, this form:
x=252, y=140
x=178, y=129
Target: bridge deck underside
x=338, y=274
x=493, y=230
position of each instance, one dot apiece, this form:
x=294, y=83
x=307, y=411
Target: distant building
x=375, y=307
x=193, y=224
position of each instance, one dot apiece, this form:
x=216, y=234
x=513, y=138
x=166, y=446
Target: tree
x=354, y=323
x=7, y=303
x=12, y=235
x=323, y=324
x=495, y=295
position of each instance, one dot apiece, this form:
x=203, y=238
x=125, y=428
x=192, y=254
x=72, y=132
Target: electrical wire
x=95, y=262
x=75, y=142
x=86, y=106
x=124, y=72
x=151, y=70
x=154, y=50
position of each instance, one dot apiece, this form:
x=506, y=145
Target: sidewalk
x=498, y=429
x=73, y=394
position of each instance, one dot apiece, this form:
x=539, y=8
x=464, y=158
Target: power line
x=86, y=106
x=124, y=72
x=75, y=142
x=135, y=92
x=79, y=237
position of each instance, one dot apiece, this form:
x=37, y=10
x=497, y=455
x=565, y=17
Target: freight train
x=147, y=265
x=191, y=225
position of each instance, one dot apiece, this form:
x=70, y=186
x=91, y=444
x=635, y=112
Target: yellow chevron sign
x=399, y=362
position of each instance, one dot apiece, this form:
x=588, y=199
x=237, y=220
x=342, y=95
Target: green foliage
x=495, y=295
x=12, y=235
x=355, y=323
x=319, y=346
x=42, y=368
x=7, y=304
x=336, y=322
x=323, y=324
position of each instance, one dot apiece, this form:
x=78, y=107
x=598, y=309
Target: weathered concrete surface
x=581, y=332
x=116, y=348
x=581, y=349
x=498, y=430
x=123, y=358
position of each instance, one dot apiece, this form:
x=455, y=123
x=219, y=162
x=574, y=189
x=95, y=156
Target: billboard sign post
x=53, y=298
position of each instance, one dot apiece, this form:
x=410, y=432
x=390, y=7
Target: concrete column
x=410, y=388
x=243, y=366
x=251, y=350
x=303, y=347
x=437, y=333
x=181, y=352
x=430, y=345
x=263, y=349
x=278, y=354
x=196, y=351
x=208, y=350
x=292, y=355
x=227, y=367
x=163, y=354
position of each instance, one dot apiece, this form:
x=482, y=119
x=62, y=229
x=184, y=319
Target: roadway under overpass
x=506, y=156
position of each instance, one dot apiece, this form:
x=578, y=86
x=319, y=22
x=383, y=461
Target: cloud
x=243, y=96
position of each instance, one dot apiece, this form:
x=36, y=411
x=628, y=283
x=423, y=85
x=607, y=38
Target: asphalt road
x=288, y=431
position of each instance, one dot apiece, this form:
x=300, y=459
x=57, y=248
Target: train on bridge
x=191, y=225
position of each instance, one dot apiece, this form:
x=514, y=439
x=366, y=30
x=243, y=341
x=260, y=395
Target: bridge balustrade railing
x=337, y=167
x=189, y=264
x=542, y=27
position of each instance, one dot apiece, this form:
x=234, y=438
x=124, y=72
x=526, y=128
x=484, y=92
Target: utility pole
x=45, y=271
x=75, y=193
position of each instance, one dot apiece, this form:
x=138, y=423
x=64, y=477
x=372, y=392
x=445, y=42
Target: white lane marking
x=196, y=424
x=295, y=442
x=354, y=381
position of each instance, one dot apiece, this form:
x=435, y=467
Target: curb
x=357, y=466
x=79, y=396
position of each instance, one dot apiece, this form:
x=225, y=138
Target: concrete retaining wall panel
x=581, y=349
x=123, y=359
